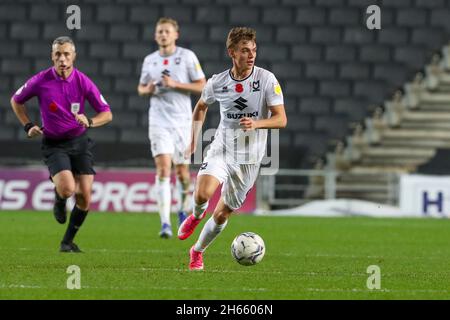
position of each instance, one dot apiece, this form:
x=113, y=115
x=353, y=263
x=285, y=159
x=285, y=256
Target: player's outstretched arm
x=278, y=120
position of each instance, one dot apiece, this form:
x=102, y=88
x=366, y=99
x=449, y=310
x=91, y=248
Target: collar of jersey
x=57, y=77
x=170, y=55
x=231, y=76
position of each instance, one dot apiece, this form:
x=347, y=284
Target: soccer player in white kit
x=169, y=75
x=251, y=101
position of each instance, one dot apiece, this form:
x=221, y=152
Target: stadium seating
x=333, y=70
x=400, y=136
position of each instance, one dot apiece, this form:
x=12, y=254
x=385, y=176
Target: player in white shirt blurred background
x=169, y=76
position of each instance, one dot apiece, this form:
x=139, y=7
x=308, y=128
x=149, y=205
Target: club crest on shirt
x=255, y=86
x=75, y=107
x=177, y=60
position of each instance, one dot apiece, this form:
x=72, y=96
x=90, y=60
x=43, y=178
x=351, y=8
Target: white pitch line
x=258, y=272
x=378, y=290
x=23, y=286
x=295, y=273
x=102, y=250
x=180, y=288
x=19, y=286
x=351, y=256
x=131, y=250
x=221, y=289
x=252, y=272
x=284, y=254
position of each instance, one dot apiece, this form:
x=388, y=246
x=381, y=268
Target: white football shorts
x=173, y=141
x=236, y=179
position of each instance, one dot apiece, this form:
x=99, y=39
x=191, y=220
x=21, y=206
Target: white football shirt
x=249, y=97
x=171, y=108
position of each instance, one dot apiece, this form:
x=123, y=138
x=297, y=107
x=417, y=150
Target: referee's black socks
x=76, y=220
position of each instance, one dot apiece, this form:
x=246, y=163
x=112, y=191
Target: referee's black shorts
x=70, y=154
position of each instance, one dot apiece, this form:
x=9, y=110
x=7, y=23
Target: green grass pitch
x=306, y=258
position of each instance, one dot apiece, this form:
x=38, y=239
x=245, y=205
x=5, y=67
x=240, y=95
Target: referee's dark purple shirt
x=58, y=98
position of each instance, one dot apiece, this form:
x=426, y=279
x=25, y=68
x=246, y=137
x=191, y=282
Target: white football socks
x=183, y=191
x=209, y=232
x=199, y=209
x=164, y=199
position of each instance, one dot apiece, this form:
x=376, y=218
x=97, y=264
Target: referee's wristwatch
x=90, y=122
x=28, y=126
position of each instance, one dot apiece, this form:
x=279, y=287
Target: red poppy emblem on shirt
x=165, y=62
x=239, y=88
x=53, y=107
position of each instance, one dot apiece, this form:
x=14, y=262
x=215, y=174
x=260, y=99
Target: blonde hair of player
x=173, y=22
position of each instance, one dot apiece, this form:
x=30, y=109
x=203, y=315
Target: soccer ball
x=248, y=248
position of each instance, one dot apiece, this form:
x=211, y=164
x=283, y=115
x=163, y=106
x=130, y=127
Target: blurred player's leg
x=79, y=212
x=164, y=199
x=181, y=161
x=64, y=189
x=183, y=186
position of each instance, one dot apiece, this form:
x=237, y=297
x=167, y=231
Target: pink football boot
x=196, y=260
x=188, y=226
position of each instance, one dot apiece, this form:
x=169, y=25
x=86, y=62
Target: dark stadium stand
x=332, y=69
